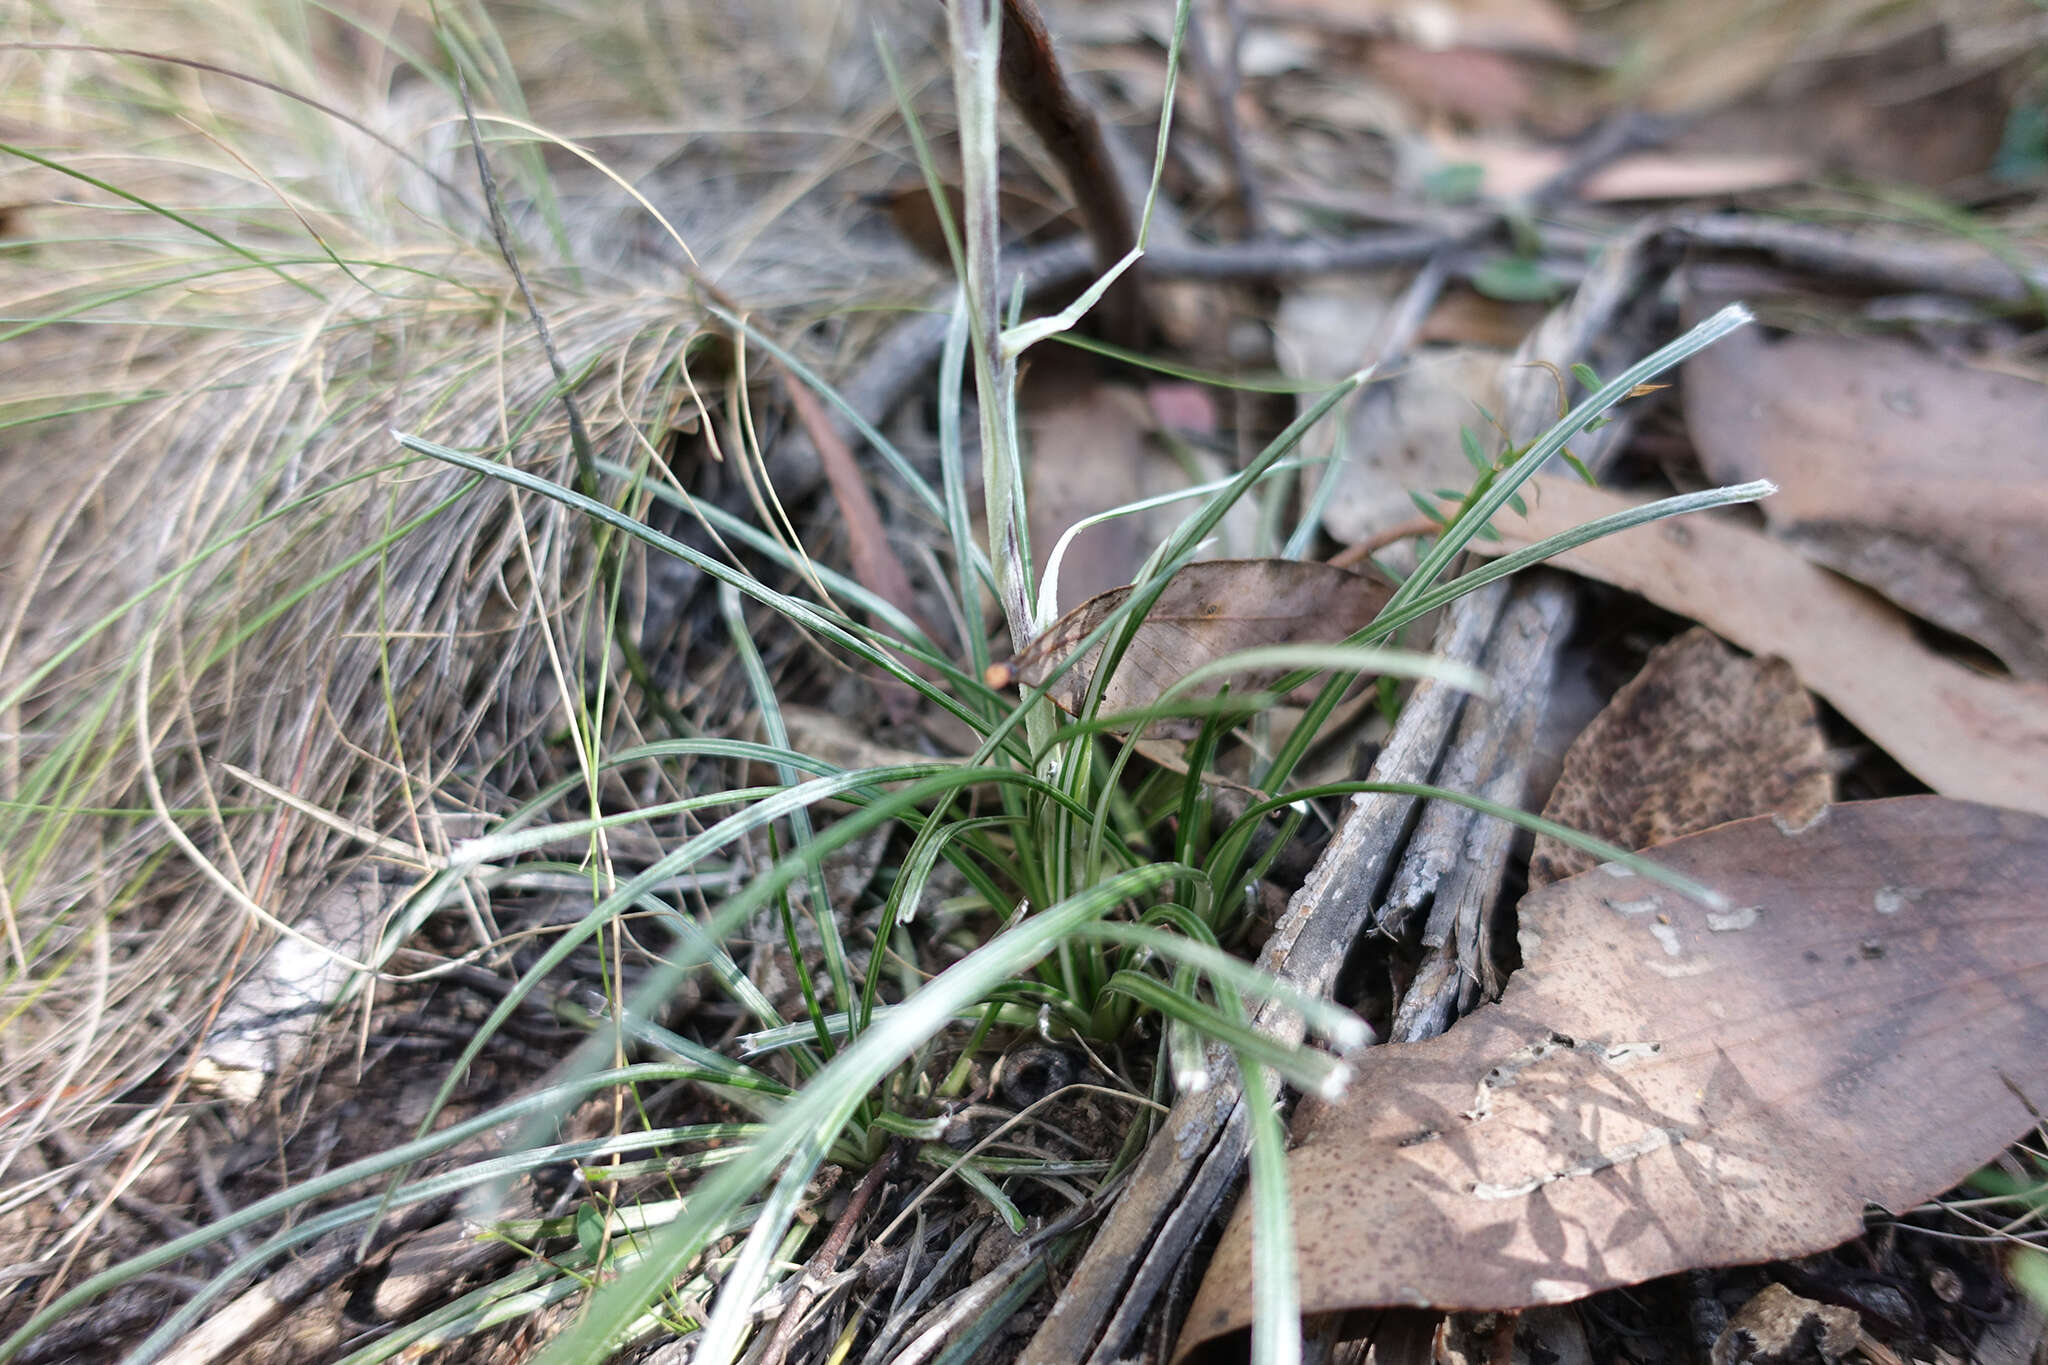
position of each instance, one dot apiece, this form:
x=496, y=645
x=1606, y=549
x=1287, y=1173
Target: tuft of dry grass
x=217, y=301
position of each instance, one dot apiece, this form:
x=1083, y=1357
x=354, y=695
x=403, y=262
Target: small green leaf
x=589, y=1230
x=1523, y=234
x=2032, y=1191
x=2023, y=150
x=2029, y=1271
x=1457, y=183
x=1429, y=509
x=1586, y=375
x=1521, y=508
x=1516, y=279
x=1387, y=698
x=1486, y=533
x=1473, y=453
x=1578, y=466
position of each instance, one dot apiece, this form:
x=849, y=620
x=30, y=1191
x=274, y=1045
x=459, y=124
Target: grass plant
x=1105, y=907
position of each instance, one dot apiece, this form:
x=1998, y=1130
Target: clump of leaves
x=1666, y=1085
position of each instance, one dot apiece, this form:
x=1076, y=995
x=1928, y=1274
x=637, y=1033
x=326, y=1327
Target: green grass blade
x=799, y=1137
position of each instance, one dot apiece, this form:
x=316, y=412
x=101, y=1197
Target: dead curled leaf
x=1209, y=610
x=1961, y=732
x=1777, y=1325
x=1699, y=737
x=1919, y=476
x=1664, y=1086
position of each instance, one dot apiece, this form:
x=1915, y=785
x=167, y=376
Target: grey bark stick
x=1493, y=744
x=1182, y=1182
x=1878, y=260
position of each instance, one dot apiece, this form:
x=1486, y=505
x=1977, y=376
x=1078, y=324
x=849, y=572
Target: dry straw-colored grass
x=212, y=553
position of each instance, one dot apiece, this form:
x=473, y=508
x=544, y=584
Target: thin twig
x=1872, y=259
x=223, y=1336
x=827, y=1259
x=944, y=1322
x=874, y=562
x=1353, y=555
x=895, y=367
x=908, y=1300
x=1189, y=1168
x=1219, y=73
x=898, y=365
x=1629, y=131
x=579, y=434
x=1283, y=260
x=1032, y=79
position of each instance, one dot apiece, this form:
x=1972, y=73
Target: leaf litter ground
x=1336, y=111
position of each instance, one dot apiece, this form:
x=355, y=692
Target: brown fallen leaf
x=1030, y=218
x=1703, y=58
x=1465, y=83
x=1466, y=317
x=1922, y=477
x=1401, y=431
x=875, y=564
x=867, y=542
x=1693, y=175
x=1511, y=166
x=1778, y=1327
x=1905, y=105
x=842, y=742
x=1962, y=733
x=1091, y=450
x=1700, y=737
x=1664, y=1086
x=1210, y=609
x=1859, y=86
